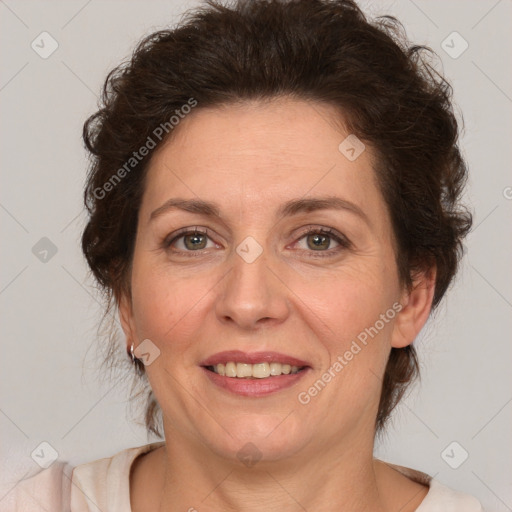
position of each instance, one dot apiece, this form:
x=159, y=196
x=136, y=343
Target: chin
x=259, y=437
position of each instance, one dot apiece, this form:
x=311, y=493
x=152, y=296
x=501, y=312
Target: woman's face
x=258, y=282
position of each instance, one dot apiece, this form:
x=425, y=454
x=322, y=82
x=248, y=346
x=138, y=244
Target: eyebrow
x=288, y=209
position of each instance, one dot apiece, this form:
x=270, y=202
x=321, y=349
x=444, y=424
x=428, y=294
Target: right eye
x=192, y=240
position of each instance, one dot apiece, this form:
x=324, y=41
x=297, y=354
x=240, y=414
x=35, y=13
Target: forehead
x=255, y=156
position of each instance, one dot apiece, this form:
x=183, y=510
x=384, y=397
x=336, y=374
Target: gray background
x=50, y=311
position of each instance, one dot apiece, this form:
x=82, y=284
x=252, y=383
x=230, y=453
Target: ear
x=416, y=305
x=126, y=319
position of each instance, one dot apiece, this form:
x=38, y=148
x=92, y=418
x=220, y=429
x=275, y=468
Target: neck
x=335, y=478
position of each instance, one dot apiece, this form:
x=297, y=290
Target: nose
x=252, y=295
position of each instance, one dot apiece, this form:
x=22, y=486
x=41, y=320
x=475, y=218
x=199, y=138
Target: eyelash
x=343, y=242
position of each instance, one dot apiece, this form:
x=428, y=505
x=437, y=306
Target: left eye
x=319, y=240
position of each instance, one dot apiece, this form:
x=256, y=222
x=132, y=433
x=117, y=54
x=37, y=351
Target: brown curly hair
x=388, y=90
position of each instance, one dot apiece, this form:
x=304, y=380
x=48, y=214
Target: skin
x=250, y=159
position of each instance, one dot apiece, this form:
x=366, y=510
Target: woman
x=274, y=204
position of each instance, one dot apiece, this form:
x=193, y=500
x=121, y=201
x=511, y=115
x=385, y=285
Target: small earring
x=139, y=365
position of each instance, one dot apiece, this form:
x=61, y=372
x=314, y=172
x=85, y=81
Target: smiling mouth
x=254, y=371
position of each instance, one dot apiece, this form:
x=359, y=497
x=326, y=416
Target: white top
x=103, y=485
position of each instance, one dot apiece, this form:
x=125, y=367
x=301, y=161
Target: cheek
x=167, y=302
x=351, y=315
x=350, y=299
x=153, y=304
x=352, y=321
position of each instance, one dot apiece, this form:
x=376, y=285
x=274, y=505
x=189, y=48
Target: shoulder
x=49, y=489
x=113, y=466
x=105, y=483
x=63, y=487
x=440, y=498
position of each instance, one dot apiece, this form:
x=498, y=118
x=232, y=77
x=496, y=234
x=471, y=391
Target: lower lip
x=255, y=387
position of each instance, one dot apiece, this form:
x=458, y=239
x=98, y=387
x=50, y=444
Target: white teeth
x=261, y=370
x=243, y=370
x=230, y=370
x=275, y=368
x=257, y=371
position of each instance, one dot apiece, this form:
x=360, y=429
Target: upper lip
x=237, y=356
